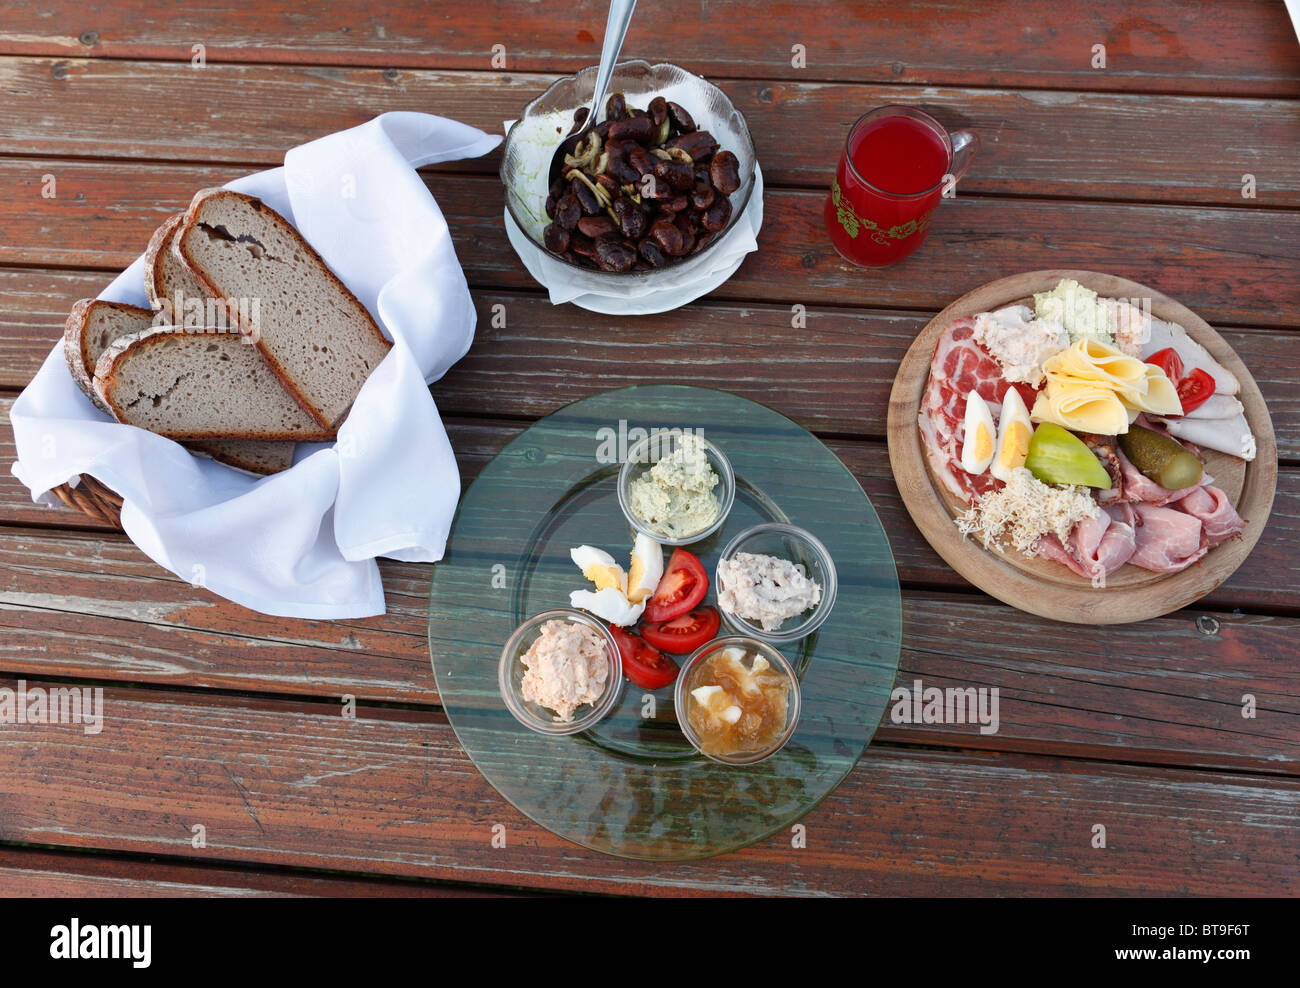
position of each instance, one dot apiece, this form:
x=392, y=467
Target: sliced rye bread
x=320, y=341
x=165, y=276
x=170, y=287
x=186, y=385
x=94, y=324
x=250, y=455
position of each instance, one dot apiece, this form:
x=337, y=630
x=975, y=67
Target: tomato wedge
x=685, y=633
x=643, y=664
x=1195, y=389
x=1169, y=362
x=680, y=589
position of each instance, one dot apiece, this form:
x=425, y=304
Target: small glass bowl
x=648, y=452
x=681, y=697
x=799, y=546
x=546, y=121
x=510, y=674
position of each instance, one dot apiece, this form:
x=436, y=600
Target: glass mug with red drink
x=896, y=165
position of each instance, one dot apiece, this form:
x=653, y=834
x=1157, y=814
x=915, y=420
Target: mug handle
x=965, y=145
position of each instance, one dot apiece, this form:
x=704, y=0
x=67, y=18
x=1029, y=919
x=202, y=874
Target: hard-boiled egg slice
x=608, y=604
x=981, y=437
x=717, y=702
x=1014, y=432
x=646, y=570
x=703, y=694
x=599, y=567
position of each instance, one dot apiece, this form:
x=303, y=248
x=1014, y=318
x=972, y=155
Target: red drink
x=899, y=155
x=890, y=178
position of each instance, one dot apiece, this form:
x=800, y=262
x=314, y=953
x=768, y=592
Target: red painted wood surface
x=230, y=718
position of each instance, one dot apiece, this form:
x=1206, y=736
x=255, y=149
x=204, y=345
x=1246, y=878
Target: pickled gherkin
x=1058, y=456
x=1162, y=458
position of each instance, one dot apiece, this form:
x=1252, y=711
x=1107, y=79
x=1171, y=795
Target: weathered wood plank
x=1234, y=46
x=1231, y=265
x=283, y=784
x=28, y=873
x=92, y=607
x=835, y=372
x=832, y=371
x=1268, y=579
x=1033, y=141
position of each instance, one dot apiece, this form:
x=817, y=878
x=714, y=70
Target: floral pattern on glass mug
x=853, y=223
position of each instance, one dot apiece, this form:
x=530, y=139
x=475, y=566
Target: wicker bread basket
x=92, y=498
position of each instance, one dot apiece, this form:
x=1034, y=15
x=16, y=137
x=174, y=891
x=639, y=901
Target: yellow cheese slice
x=1081, y=407
x=1092, y=360
x=1159, y=397
x=1094, y=387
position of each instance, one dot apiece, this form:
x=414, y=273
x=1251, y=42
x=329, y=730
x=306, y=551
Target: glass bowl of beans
x=668, y=174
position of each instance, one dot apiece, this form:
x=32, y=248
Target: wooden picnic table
x=228, y=718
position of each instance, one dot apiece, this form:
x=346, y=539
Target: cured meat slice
x=1219, y=519
x=958, y=367
x=1141, y=489
x=1097, y=546
x=1168, y=540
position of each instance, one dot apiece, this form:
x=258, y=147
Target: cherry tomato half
x=1195, y=389
x=683, y=634
x=681, y=588
x=643, y=664
x=1169, y=362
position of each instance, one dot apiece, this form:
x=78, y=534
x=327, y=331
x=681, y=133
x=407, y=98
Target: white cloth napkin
x=302, y=543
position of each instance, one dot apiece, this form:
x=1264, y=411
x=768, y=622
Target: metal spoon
x=620, y=16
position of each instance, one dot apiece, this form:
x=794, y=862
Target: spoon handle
x=620, y=16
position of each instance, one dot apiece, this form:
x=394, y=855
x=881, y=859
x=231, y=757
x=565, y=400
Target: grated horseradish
x=1025, y=510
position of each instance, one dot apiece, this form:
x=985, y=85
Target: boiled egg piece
x=704, y=694
x=1014, y=432
x=646, y=570
x=981, y=437
x=717, y=702
x=608, y=604
x=599, y=567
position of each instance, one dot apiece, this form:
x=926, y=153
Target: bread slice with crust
x=172, y=289
x=319, y=340
x=186, y=385
x=94, y=324
x=250, y=455
x=167, y=281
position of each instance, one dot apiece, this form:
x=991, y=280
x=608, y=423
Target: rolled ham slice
x=1211, y=507
x=1168, y=540
x=1097, y=546
x=1141, y=489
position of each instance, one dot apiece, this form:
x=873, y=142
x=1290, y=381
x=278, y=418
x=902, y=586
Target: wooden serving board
x=1040, y=586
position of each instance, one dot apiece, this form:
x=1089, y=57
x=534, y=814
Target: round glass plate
x=632, y=786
